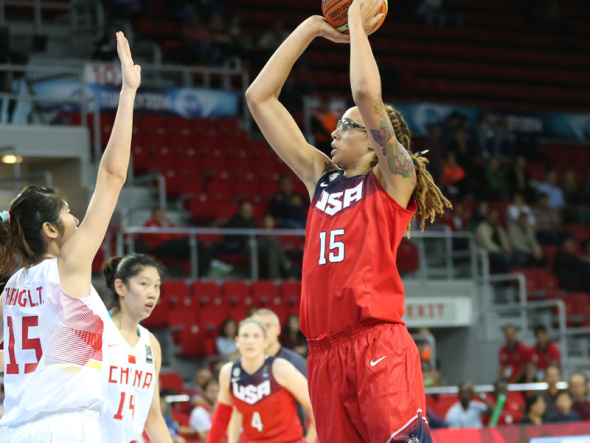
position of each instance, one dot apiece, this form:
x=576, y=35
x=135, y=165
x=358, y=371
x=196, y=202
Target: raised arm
x=275, y=122
x=293, y=381
x=395, y=168
x=77, y=253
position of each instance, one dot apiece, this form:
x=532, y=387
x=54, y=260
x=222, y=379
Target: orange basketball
x=336, y=14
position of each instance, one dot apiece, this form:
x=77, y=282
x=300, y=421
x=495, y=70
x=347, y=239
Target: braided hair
x=429, y=198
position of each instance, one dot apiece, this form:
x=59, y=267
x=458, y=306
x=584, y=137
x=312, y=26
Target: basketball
x=336, y=14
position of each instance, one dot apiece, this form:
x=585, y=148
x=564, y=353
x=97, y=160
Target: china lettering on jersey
x=130, y=380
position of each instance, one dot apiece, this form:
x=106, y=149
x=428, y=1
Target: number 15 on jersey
x=335, y=248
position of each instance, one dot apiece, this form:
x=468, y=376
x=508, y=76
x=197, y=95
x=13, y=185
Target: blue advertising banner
x=420, y=116
x=184, y=102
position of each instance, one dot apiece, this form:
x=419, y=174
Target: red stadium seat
x=183, y=317
x=192, y=342
x=407, y=257
x=204, y=291
x=173, y=291
x=264, y=291
x=171, y=380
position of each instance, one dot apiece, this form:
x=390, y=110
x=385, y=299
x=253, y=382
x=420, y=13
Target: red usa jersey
x=130, y=376
x=53, y=346
x=354, y=228
x=269, y=411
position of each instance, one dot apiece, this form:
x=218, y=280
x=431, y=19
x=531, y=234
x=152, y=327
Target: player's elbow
x=254, y=96
x=365, y=91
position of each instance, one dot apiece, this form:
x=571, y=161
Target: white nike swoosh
x=324, y=185
x=373, y=363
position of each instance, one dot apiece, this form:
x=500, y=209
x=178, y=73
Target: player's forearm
x=115, y=160
x=312, y=435
x=271, y=79
x=156, y=429
x=365, y=81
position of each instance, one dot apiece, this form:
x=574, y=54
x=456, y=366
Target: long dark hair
x=21, y=236
x=125, y=268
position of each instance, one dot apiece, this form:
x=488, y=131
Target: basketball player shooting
x=364, y=371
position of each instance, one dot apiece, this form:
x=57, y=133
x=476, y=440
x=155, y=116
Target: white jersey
x=130, y=377
x=53, y=347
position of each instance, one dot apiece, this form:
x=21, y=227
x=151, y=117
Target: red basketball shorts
x=366, y=385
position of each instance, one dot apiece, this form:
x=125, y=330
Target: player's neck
x=356, y=170
x=251, y=365
x=126, y=324
x=273, y=349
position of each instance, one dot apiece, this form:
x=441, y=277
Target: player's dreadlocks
x=429, y=198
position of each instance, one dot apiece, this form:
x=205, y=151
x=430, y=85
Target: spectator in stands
x=535, y=407
x=518, y=180
x=504, y=141
x=196, y=391
x=514, y=357
x=496, y=180
x=563, y=409
x=544, y=353
x=490, y=235
x=578, y=387
x=288, y=207
x=430, y=375
x=241, y=42
x=269, y=248
x=200, y=419
x=323, y=123
x=221, y=39
x=453, y=177
x=173, y=427
x=572, y=271
x=505, y=411
x=226, y=341
x=552, y=377
x=165, y=245
x=467, y=413
x=548, y=222
x=292, y=337
x=433, y=143
x=272, y=39
x=573, y=198
x=486, y=133
x=177, y=246
x=478, y=215
x=527, y=250
x=106, y=48
x=517, y=207
x=431, y=11
x=198, y=41
x=464, y=150
x=553, y=191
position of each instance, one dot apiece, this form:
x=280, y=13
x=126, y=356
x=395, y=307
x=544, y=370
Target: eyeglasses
x=346, y=125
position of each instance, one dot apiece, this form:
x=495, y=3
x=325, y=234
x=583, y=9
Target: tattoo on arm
x=399, y=160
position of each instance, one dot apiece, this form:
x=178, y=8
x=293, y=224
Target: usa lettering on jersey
x=130, y=377
x=251, y=394
x=332, y=203
x=23, y=297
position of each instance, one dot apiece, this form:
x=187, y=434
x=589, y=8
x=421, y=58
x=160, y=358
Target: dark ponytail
x=124, y=269
x=21, y=237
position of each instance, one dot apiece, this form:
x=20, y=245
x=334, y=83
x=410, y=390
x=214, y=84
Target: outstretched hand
x=328, y=31
x=366, y=10
x=131, y=73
